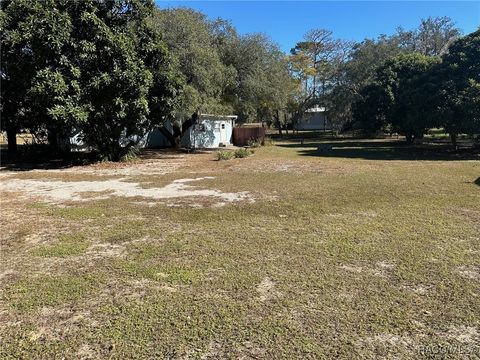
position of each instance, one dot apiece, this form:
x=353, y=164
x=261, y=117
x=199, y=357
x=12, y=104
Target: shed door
x=223, y=133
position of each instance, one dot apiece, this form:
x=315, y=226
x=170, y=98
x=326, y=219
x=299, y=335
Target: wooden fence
x=242, y=135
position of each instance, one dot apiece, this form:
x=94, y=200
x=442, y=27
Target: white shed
x=212, y=131
x=209, y=132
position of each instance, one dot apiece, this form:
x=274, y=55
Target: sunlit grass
x=338, y=257
x=66, y=245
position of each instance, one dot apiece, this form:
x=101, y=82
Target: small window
x=223, y=126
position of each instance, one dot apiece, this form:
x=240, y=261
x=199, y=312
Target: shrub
x=254, y=143
x=268, y=141
x=225, y=155
x=242, y=153
x=131, y=155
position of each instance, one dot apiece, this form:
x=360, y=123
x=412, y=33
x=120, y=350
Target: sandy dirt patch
x=464, y=334
x=86, y=352
x=214, y=351
x=288, y=166
x=104, y=250
x=469, y=272
x=352, y=268
x=266, y=290
x=61, y=191
x=126, y=169
x=418, y=289
x=389, y=339
x=6, y=274
x=381, y=269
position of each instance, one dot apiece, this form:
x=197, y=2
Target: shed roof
x=216, y=117
x=316, y=109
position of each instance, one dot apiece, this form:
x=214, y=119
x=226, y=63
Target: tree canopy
x=110, y=71
x=99, y=68
x=457, y=92
x=412, y=93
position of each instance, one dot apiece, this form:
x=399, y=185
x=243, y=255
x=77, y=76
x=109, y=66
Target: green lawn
x=369, y=251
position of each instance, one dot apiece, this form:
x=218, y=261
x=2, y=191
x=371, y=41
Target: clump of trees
x=223, y=72
x=317, y=63
x=398, y=97
x=112, y=70
x=412, y=93
x=456, y=100
x=406, y=83
x=98, y=67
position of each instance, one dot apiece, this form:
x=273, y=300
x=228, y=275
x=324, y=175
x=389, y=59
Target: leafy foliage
x=225, y=155
x=95, y=67
x=110, y=71
x=405, y=92
x=411, y=93
x=458, y=87
x=190, y=38
x=356, y=79
x=242, y=153
x=223, y=71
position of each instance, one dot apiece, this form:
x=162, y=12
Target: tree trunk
x=168, y=135
x=453, y=138
x=279, y=125
x=286, y=120
x=12, y=139
x=177, y=142
x=59, y=141
x=175, y=138
x=53, y=138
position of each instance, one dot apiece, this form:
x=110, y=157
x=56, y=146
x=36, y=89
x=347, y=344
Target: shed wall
x=315, y=121
x=208, y=133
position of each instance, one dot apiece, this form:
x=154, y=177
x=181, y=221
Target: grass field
x=369, y=251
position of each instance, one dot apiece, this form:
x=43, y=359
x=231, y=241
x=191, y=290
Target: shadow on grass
x=42, y=158
x=382, y=150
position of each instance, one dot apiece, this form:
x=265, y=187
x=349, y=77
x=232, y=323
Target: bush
x=268, y=141
x=242, y=153
x=254, y=143
x=131, y=155
x=225, y=155
x=238, y=154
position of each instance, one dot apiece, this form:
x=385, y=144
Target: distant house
x=314, y=119
x=209, y=132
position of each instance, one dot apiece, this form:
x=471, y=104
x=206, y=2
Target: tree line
x=95, y=66
x=406, y=83
x=112, y=70
x=412, y=93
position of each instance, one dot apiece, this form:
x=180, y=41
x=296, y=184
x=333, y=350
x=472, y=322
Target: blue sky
x=286, y=21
